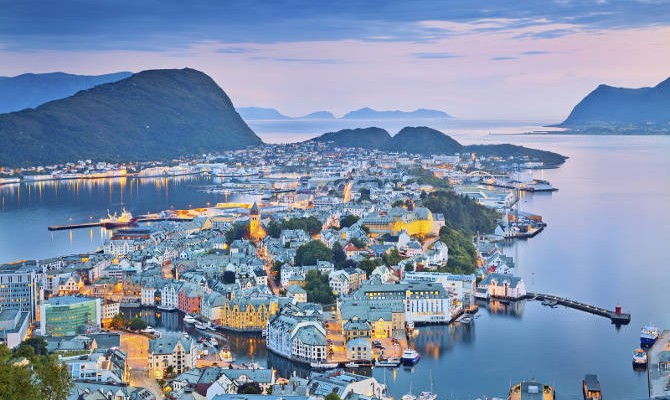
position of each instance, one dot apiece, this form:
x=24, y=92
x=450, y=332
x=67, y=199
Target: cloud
x=300, y=60
x=535, y=53
x=235, y=50
x=546, y=34
x=435, y=55
x=503, y=58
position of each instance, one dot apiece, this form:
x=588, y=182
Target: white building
x=501, y=286
x=171, y=350
x=294, y=335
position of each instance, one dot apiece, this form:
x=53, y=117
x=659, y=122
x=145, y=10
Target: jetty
x=616, y=316
x=98, y=223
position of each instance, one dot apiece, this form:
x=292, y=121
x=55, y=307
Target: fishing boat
x=410, y=357
x=648, y=336
x=166, y=308
x=148, y=329
x=390, y=362
x=201, y=326
x=591, y=388
x=639, y=358
x=323, y=365
x=189, y=320
x=118, y=221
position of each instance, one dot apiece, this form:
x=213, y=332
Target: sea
x=605, y=244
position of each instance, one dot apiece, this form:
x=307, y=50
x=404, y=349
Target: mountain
x=609, y=109
x=369, y=113
x=31, y=90
x=372, y=138
x=424, y=140
x=319, y=115
x=155, y=114
x=260, y=113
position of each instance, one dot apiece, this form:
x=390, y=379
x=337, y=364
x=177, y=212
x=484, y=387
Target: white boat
x=166, y=308
x=323, y=365
x=410, y=357
x=200, y=325
x=189, y=320
x=391, y=362
x=429, y=395
x=148, y=329
x=186, y=335
x=213, y=341
x=352, y=364
x=648, y=335
x=409, y=396
x=639, y=358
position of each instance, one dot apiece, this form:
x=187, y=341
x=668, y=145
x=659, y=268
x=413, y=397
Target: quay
x=97, y=223
x=658, y=366
x=616, y=316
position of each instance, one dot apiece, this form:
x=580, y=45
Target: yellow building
x=247, y=314
x=256, y=230
x=417, y=222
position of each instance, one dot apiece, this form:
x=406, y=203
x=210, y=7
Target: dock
x=97, y=223
x=616, y=316
x=658, y=362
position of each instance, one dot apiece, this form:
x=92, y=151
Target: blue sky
x=474, y=59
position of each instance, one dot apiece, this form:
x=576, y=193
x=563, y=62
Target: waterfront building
x=296, y=335
x=463, y=286
x=109, y=310
x=345, y=384
x=501, y=286
x=246, y=313
x=359, y=349
x=171, y=350
x=189, y=298
x=18, y=288
x=69, y=315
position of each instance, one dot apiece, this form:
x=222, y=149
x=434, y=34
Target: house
x=359, y=349
x=171, y=351
x=501, y=286
x=297, y=293
x=297, y=334
x=231, y=379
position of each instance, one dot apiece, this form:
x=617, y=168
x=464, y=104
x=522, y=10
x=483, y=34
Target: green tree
x=39, y=344
x=333, y=396
x=317, y=288
x=250, y=388
x=137, y=324
x=358, y=243
x=409, y=267
x=398, y=203
x=392, y=257
x=274, y=229
x=311, y=252
x=119, y=321
x=365, y=194
x=53, y=379
x=369, y=264
x=339, y=256
x=236, y=232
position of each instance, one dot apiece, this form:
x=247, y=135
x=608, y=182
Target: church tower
x=256, y=231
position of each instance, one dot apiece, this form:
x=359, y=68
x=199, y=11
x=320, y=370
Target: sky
x=526, y=60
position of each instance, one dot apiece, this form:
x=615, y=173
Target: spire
x=255, y=210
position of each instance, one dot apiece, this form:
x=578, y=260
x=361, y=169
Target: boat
x=352, y=364
x=199, y=325
x=531, y=390
x=409, y=326
x=114, y=221
x=429, y=395
x=323, y=365
x=648, y=336
x=166, y=308
x=186, y=335
x=390, y=362
x=189, y=320
x=591, y=388
x=148, y=329
x=213, y=342
x=639, y=358
x=410, y=357
x=550, y=303
x=225, y=354
x=409, y=396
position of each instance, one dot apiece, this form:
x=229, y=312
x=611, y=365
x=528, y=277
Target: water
x=605, y=244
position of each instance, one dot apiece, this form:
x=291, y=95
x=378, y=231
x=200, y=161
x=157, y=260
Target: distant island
x=611, y=110
x=271, y=114
x=31, y=90
x=425, y=140
x=151, y=115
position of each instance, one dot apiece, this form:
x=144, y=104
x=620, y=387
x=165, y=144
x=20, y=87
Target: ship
x=390, y=362
x=410, y=357
x=323, y=365
x=639, y=358
x=648, y=336
x=114, y=221
x=531, y=390
x=591, y=388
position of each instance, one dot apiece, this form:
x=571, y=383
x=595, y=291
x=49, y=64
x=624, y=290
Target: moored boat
x=639, y=358
x=352, y=364
x=648, y=336
x=323, y=365
x=118, y=221
x=189, y=320
x=410, y=357
x=390, y=362
x=591, y=388
x=166, y=308
x=199, y=325
x=531, y=390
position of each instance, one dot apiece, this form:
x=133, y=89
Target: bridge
x=616, y=316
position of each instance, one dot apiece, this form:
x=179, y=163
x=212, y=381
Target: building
x=171, y=350
x=296, y=335
x=501, y=286
x=297, y=293
x=247, y=314
x=256, y=230
x=70, y=315
x=18, y=288
x=14, y=326
x=109, y=310
x=418, y=222
x=462, y=286
x=345, y=384
x=359, y=349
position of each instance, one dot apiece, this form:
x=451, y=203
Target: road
x=137, y=349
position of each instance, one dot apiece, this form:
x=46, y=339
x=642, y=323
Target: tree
x=169, y=370
x=310, y=253
x=229, y=277
x=39, y=344
x=398, y=203
x=348, y=220
x=317, y=288
x=53, y=379
x=369, y=264
x=119, y=321
x=358, y=243
x=333, y=396
x=137, y=324
x=392, y=257
x=250, y=388
x=274, y=229
x=365, y=194
x=236, y=232
x=409, y=267
x=338, y=254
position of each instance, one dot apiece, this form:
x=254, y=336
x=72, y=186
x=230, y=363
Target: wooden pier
x=616, y=316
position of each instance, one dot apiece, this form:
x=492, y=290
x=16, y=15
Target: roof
x=501, y=279
x=166, y=343
x=68, y=300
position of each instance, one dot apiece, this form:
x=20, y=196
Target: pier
x=98, y=223
x=616, y=316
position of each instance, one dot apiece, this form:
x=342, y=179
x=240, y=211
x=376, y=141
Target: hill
x=369, y=113
x=319, y=115
x=155, y=114
x=372, y=138
x=424, y=140
x=260, y=114
x=31, y=90
x=609, y=109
